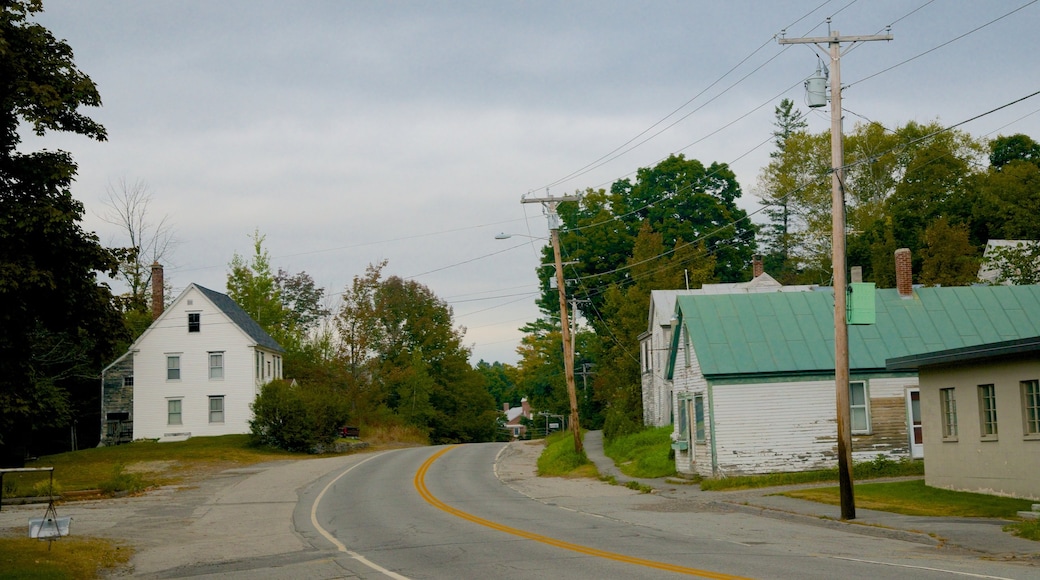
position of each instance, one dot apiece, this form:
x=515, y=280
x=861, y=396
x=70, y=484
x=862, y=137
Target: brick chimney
x=757, y=268
x=526, y=407
x=505, y=408
x=157, y=290
x=856, y=274
x=904, y=273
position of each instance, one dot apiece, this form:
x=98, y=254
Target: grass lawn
x=69, y=557
x=559, y=458
x=139, y=465
x=643, y=454
x=914, y=498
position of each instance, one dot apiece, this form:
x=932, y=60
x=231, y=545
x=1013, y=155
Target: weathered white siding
x=688, y=381
x=791, y=426
x=170, y=336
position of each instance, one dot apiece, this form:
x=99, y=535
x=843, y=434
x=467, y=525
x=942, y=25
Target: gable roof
x=232, y=310
x=662, y=302
x=793, y=333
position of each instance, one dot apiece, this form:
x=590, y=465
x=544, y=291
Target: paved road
x=375, y=514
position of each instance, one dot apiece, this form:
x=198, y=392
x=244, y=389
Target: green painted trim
x=711, y=414
x=681, y=445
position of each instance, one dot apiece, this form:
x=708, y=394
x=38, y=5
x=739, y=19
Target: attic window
x=194, y=321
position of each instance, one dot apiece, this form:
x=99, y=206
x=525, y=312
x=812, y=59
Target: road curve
x=442, y=513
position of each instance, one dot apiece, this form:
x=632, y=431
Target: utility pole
x=841, y=331
x=549, y=203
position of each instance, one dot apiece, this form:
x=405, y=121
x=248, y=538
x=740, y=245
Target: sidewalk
x=969, y=534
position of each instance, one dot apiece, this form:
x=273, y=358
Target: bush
x=297, y=418
x=129, y=482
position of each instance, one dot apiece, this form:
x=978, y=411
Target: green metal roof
x=793, y=333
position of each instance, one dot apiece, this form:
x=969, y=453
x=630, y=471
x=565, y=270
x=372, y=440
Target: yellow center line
x=420, y=485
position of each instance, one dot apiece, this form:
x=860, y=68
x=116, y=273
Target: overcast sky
x=351, y=132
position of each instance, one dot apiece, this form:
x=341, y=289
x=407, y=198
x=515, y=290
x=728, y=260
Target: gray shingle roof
x=233, y=311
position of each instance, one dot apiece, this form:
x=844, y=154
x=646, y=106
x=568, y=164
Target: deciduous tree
x=58, y=323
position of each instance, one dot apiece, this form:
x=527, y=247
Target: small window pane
x=173, y=412
x=216, y=365
x=949, y=413
x=859, y=409
x=216, y=409
x=988, y=410
x=1031, y=406
x=173, y=368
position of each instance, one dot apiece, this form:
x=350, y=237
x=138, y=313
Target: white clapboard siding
x=688, y=380
x=168, y=336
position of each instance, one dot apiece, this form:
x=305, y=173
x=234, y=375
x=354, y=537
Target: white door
x=913, y=422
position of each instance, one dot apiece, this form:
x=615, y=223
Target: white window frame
x=863, y=408
x=173, y=367
x=216, y=415
x=948, y=408
x=216, y=371
x=988, y=429
x=175, y=408
x=1030, y=408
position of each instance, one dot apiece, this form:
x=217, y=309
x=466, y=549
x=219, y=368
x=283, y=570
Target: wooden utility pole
x=568, y=349
x=841, y=331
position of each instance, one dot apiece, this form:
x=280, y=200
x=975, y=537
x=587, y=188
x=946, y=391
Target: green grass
x=914, y=498
x=559, y=458
x=1029, y=529
x=139, y=465
x=645, y=454
x=879, y=467
x=68, y=557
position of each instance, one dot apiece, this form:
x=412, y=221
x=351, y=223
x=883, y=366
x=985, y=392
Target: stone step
x=1033, y=515
x=1036, y=507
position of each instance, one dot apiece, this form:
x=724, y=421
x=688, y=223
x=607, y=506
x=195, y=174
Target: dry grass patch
x=69, y=557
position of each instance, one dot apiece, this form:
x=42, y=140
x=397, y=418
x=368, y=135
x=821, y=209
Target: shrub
x=129, y=482
x=280, y=418
x=295, y=417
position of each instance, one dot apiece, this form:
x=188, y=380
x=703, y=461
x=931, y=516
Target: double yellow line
x=420, y=486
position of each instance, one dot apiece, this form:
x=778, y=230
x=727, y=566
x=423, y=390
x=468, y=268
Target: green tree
x=948, y=257
x=287, y=306
x=1018, y=264
x=623, y=318
x=404, y=356
x=775, y=193
x=58, y=324
x=795, y=189
x=680, y=198
x=253, y=286
x=500, y=381
x=1018, y=147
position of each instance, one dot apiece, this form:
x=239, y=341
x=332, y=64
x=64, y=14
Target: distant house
x=515, y=416
x=658, y=402
x=753, y=374
x=988, y=271
x=981, y=406
x=194, y=372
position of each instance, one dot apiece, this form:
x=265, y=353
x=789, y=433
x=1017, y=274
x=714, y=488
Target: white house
x=194, y=372
x=753, y=374
x=658, y=403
